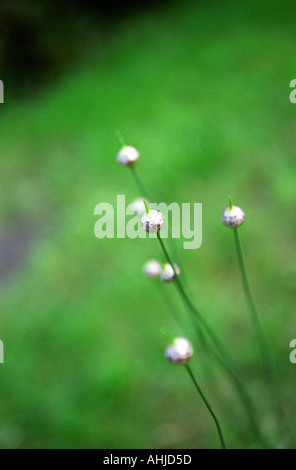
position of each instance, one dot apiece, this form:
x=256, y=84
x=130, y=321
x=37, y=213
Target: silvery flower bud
x=127, y=156
x=152, y=221
x=138, y=207
x=152, y=269
x=233, y=217
x=168, y=273
x=180, y=352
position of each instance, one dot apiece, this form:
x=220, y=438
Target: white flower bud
x=127, y=156
x=180, y=352
x=152, y=221
x=168, y=273
x=152, y=269
x=138, y=207
x=233, y=217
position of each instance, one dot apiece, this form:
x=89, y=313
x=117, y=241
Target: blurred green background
x=202, y=90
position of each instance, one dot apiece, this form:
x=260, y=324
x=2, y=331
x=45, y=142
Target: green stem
x=181, y=290
x=230, y=203
x=220, y=348
x=263, y=344
x=146, y=206
x=264, y=348
x=140, y=185
x=208, y=405
x=120, y=138
x=168, y=335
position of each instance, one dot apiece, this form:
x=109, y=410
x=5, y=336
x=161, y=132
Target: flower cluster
x=153, y=221
x=233, y=216
x=179, y=352
x=128, y=156
x=167, y=273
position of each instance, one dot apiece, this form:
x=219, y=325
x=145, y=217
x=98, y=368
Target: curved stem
x=183, y=293
x=251, y=304
x=120, y=138
x=139, y=183
x=208, y=405
x=263, y=344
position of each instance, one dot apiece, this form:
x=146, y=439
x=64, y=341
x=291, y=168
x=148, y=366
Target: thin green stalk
x=208, y=405
x=264, y=348
x=146, y=206
x=201, y=337
x=167, y=335
x=220, y=348
x=263, y=344
x=120, y=138
x=139, y=183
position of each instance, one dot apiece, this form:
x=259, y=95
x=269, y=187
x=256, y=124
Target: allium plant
x=233, y=217
x=180, y=351
x=153, y=221
x=216, y=348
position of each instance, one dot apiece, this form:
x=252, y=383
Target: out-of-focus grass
x=203, y=92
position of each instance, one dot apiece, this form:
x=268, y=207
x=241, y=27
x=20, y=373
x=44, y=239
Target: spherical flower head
x=127, y=156
x=138, y=207
x=168, y=273
x=180, y=352
x=152, y=221
x=152, y=269
x=233, y=217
